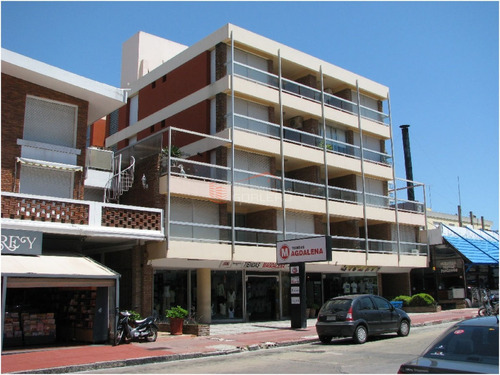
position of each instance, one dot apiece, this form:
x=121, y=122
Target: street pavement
x=223, y=339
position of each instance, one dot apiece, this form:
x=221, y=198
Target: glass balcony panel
x=340, y=243
x=256, y=75
x=257, y=126
x=255, y=179
x=345, y=195
x=304, y=188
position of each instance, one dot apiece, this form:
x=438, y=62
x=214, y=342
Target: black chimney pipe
x=408, y=166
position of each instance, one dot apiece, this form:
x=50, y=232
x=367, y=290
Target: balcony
x=265, y=240
x=79, y=217
x=309, y=93
x=314, y=141
x=214, y=181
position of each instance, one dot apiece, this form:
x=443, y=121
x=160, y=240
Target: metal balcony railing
x=308, y=139
x=307, y=92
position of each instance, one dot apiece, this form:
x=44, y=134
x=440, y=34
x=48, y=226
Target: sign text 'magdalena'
x=312, y=249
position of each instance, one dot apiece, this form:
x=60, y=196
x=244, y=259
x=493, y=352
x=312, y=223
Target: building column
x=203, y=296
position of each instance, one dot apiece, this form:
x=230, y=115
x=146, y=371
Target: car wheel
x=325, y=339
x=404, y=328
x=360, y=335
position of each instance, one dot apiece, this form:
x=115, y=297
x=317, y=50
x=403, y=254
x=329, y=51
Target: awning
x=50, y=165
x=479, y=247
x=51, y=270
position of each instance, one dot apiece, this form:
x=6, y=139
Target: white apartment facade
x=266, y=143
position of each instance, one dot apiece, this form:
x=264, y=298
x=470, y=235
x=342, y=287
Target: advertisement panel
x=312, y=249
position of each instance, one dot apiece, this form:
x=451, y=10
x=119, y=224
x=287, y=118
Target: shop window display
x=227, y=299
x=171, y=289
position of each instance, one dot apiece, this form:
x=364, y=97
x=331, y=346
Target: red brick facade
x=14, y=92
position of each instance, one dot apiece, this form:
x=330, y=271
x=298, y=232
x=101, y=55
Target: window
x=43, y=181
x=381, y=303
x=365, y=303
x=50, y=122
x=134, y=110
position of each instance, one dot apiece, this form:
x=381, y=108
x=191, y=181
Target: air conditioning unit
x=296, y=122
x=415, y=251
x=99, y=159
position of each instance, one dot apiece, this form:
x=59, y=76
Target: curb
x=160, y=359
x=177, y=357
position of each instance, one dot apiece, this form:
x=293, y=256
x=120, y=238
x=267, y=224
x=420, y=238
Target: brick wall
x=14, y=92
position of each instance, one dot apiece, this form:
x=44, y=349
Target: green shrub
x=405, y=299
x=134, y=315
x=422, y=299
x=176, y=312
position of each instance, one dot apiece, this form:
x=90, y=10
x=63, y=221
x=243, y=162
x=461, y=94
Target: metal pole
x=4, y=297
x=233, y=204
x=168, y=186
x=396, y=213
x=362, y=171
x=282, y=133
x=325, y=155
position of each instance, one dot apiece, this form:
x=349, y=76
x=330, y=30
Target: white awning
x=50, y=165
x=55, y=267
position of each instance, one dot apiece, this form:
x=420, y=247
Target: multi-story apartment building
x=244, y=142
x=53, y=209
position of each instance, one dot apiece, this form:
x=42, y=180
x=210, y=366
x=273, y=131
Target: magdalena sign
x=311, y=249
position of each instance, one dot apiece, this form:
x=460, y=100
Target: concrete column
x=203, y=296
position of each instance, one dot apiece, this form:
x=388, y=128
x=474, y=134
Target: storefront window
x=227, y=295
x=262, y=296
x=170, y=289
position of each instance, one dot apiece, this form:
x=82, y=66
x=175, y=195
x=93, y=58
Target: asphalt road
x=382, y=355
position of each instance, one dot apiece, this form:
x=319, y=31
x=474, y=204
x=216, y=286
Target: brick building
x=55, y=223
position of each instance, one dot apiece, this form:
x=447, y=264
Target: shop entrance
x=262, y=297
x=42, y=316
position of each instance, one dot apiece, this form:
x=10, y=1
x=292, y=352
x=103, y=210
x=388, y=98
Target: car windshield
x=467, y=344
x=336, y=305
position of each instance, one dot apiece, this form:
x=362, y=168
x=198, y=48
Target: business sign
x=312, y=249
x=21, y=242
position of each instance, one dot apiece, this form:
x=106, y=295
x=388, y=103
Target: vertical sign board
x=296, y=253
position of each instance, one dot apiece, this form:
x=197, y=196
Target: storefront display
x=48, y=315
x=56, y=298
x=227, y=296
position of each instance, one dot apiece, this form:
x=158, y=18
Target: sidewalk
x=223, y=339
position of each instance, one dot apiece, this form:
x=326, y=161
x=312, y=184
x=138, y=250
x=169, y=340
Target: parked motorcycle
x=489, y=306
x=144, y=329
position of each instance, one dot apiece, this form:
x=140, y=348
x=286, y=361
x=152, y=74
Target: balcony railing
x=312, y=140
x=83, y=216
x=220, y=174
x=307, y=92
x=199, y=232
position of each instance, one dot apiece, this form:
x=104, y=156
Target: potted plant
x=176, y=315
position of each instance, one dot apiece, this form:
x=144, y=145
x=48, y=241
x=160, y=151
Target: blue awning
x=479, y=247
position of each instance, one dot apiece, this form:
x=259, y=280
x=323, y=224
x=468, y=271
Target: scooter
x=145, y=329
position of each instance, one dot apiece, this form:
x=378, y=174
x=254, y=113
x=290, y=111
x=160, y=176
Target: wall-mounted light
x=144, y=182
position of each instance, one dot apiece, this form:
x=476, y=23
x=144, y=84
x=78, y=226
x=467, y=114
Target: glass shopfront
x=349, y=283
x=227, y=295
x=173, y=288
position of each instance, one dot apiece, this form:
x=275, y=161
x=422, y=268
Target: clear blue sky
x=439, y=60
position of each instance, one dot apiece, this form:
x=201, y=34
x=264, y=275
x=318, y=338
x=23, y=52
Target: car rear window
x=467, y=344
x=336, y=305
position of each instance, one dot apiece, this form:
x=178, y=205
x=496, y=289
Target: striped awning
x=50, y=165
x=479, y=247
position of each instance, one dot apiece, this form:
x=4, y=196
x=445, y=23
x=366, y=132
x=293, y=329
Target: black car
x=359, y=316
x=470, y=346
